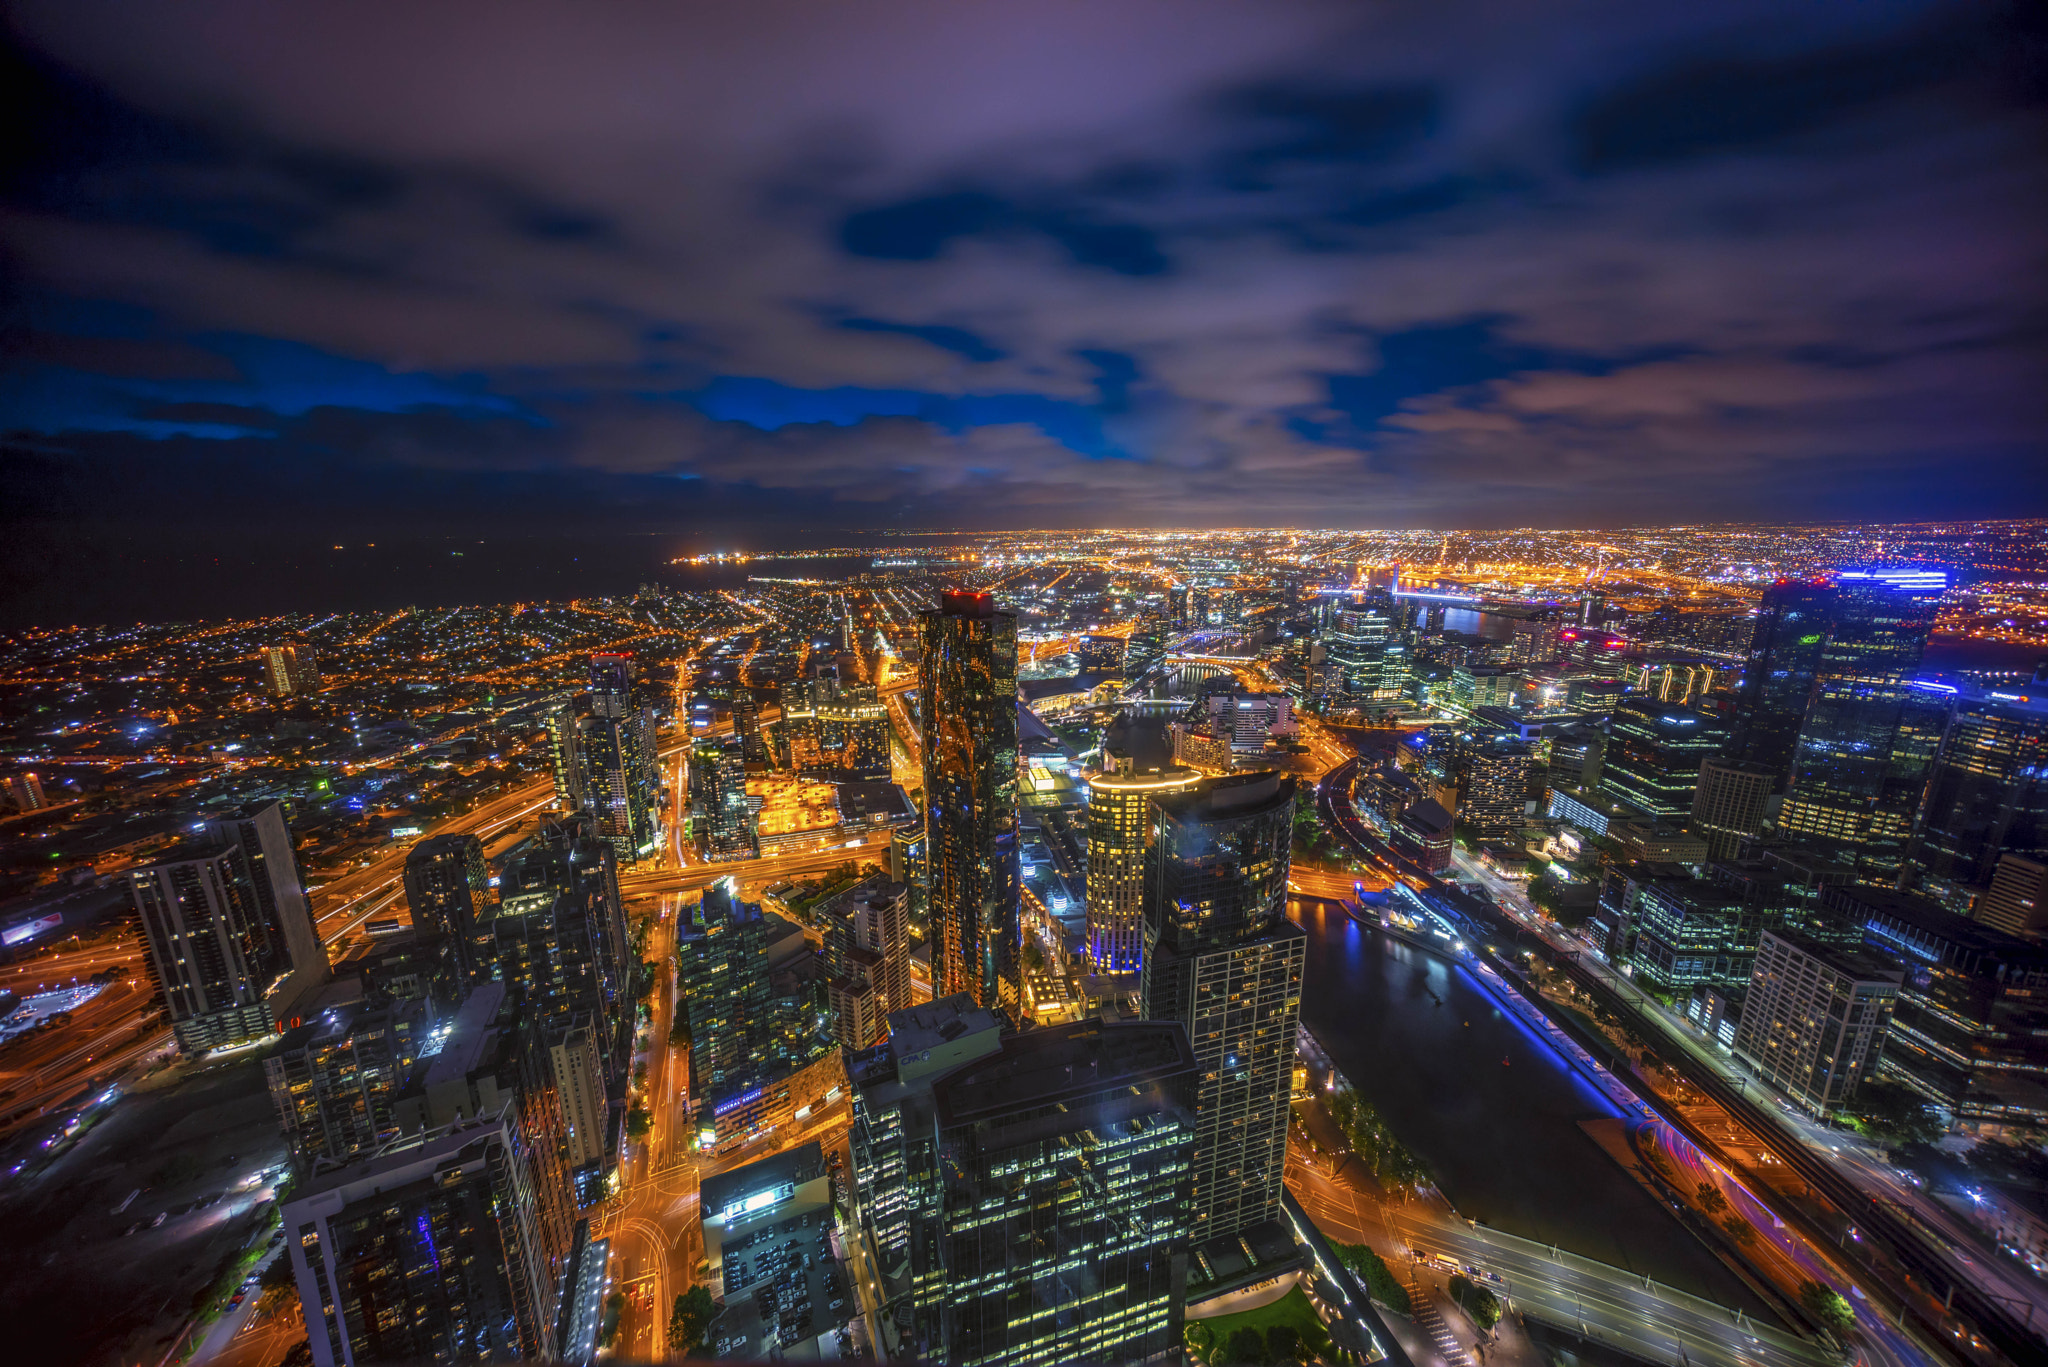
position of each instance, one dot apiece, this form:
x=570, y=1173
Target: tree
x=1476, y=1301
x=1244, y=1348
x=277, y=1282
x=1828, y=1310
x=638, y=1121
x=1378, y=1278
x=1315, y=1342
x=1283, y=1344
x=693, y=1315
x=1738, y=1229
x=679, y=1036
x=650, y=973
x=1711, y=1199
x=1895, y=1116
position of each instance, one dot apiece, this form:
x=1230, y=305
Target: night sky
x=286, y=275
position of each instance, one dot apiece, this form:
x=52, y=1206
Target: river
x=1492, y=1111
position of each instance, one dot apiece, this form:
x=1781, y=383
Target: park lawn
x=1291, y=1309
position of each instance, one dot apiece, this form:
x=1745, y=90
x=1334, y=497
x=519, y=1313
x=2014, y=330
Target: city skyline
x=977, y=266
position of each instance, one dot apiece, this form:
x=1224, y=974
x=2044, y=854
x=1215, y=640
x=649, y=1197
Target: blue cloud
x=920, y=229
x=769, y=405
x=959, y=341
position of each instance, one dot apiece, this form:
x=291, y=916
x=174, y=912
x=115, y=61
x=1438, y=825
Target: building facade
x=1814, y=1019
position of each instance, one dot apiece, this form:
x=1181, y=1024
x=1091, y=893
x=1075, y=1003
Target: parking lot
x=785, y=1294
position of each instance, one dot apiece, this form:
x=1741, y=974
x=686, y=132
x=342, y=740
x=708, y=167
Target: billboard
x=28, y=930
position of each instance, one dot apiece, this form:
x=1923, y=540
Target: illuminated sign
x=28, y=930
x=399, y=832
x=743, y=1099
x=759, y=1201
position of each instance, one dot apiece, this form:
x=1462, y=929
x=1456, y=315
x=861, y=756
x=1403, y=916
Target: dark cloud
x=1179, y=261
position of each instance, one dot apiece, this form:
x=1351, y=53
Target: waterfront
x=1444, y=1064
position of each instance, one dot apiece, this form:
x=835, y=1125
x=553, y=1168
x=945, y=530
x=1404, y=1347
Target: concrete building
x=1728, y=804
x=1137, y=767
x=290, y=671
x=1815, y=1018
x=448, y=890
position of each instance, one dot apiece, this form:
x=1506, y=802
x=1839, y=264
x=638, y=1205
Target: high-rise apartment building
x=1137, y=766
x=1814, y=1018
x=1493, y=783
x=726, y=826
x=558, y=942
x=722, y=968
x=1728, y=805
x=1652, y=759
x=968, y=709
x=290, y=671
x=565, y=755
x=228, y=937
x=618, y=749
x=865, y=950
x=334, y=1079
x=1222, y=959
x=24, y=792
x=448, y=890
x=429, y=1252
x=1844, y=796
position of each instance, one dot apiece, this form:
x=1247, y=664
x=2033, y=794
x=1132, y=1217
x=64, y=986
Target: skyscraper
x=558, y=942
x=1778, y=680
x=333, y=1079
x=968, y=707
x=290, y=671
x=448, y=889
x=1728, y=804
x=1062, y=1220
x=722, y=969
x=565, y=755
x=2017, y=900
x=1652, y=760
x=621, y=765
x=1137, y=766
x=1987, y=790
x=228, y=938
x=1222, y=958
x=726, y=827
x=1356, y=641
x=1814, y=1018
x=24, y=792
x=1842, y=797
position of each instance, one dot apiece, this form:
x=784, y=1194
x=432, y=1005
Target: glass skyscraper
x=1137, y=767
x=968, y=700
x=1987, y=793
x=1844, y=796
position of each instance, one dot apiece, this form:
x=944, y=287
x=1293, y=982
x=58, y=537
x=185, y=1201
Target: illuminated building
x=290, y=671
x=746, y=724
x=866, y=955
x=559, y=945
x=836, y=730
x=1844, y=796
x=333, y=1079
x=1356, y=645
x=1222, y=959
x=1137, y=767
x=617, y=750
x=1778, y=677
x=1248, y=720
x=1814, y=1018
x=1987, y=789
x=726, y=825
x=1101, y=654
x=735, y=1205
x=1041, y=1264
x=1147, y=644
x=968, y=708
x=2017, y=900
x=1652, y=759
x=1728, y=805
x=1965, y=1034
x=565, y=755
x=448, y=889
x=1494, y=784
x=24, y=792
x=722, y=955
x=228, y=938
x=421, y=1254
x=1475, y=686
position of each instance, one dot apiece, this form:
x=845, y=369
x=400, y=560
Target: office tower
x=565, y=755
x=967, y=694
x=1966, y=1033
x=1063, y=1198
x=448, y=889
x=334, y=1079
x=1687, y=933
x=590, y=1148
x=2017, y=900
x=1474, y=686
x=726, y=827
x=1728, y=804
x=1842, y=796
x=1814, y=1018
x=1494, y=787
x=290, y=671
x=1356, y=645
x=1137, y=766
x=1987, y=789
x=1778, y=677
x=558, y=943
x=1652, y=759
x=430, y=1252
x=1101, y=655
x=1221, y=958
x=1533, y=634
x=25, y=792
x=617, y=751
x=611, y=679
